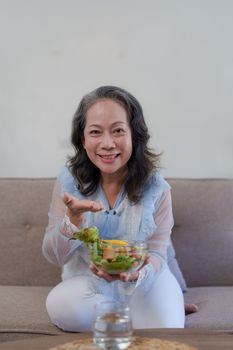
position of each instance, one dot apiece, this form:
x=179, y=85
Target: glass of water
x=112, y=325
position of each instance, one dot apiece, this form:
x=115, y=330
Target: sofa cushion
x=215, y=308
x=203, y=230
x=23, y=310
x=23, y=216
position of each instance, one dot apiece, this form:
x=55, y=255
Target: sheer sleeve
x=56, y=247
x=159, y=241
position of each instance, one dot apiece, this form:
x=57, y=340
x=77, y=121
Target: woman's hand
x=76, y=208
x=123, y=276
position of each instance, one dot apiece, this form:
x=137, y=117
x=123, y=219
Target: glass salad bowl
x=112, y=256
x=115, y=256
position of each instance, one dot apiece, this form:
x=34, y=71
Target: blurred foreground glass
x=112, y=325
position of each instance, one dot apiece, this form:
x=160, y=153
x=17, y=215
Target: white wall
x=175, y=56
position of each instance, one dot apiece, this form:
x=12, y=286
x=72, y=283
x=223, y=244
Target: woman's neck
x=112, y=186
x=117, y=179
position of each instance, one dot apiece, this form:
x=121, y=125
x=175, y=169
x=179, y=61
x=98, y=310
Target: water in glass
x=112, y=330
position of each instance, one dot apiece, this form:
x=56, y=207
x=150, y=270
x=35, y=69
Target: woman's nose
x=108, y=141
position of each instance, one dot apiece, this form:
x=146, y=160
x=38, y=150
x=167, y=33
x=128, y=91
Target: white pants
x=70, y=304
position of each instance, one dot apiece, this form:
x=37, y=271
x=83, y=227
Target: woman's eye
x=119, y=131
x=94, y=132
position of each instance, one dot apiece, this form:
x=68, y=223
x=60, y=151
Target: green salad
x=112, y=256
x=87, y=235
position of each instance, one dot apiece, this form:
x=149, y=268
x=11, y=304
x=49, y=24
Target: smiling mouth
x=108, y=156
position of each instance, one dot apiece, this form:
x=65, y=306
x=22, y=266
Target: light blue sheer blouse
x=123, y=221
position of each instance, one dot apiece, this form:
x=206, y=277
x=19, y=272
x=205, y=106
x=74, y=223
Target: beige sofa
x=203, y=238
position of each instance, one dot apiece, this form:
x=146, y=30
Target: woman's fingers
x=102, y=274
x=94, y=206
x=133, y=276
x=81, y=205
x=126, y=277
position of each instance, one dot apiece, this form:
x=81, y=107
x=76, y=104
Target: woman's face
x=107, y=137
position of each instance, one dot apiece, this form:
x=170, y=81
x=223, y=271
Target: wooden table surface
x=201, y=339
